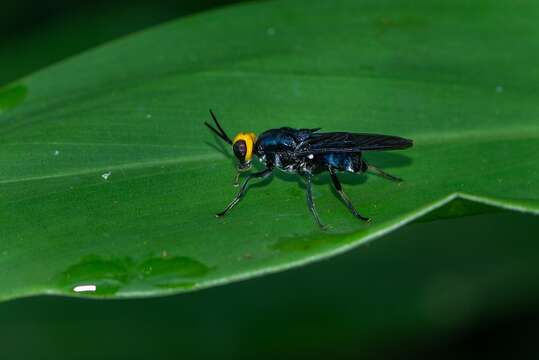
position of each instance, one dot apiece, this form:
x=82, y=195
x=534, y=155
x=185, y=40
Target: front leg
x=262, y=174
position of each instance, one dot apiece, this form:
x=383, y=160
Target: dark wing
x=320, y=143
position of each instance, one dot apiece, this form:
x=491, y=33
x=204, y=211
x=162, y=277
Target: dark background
x=438, y=289
x=37, y=33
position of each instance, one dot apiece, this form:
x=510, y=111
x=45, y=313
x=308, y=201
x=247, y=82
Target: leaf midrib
x=434, y=138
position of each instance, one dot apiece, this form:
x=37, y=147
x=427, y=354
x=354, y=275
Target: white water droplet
x=56, y=152
x=84, y=288
x=106, y=175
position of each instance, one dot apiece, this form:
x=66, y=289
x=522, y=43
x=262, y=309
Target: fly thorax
x=262, y=158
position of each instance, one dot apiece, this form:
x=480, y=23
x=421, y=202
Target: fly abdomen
x=350, y=162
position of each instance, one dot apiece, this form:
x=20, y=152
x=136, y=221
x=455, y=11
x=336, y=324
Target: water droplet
x=148, y=116
x=95, y=275
x=172, y=272
x=12, y=96
x=106, y=175
x=106, y=276
x=56, y=152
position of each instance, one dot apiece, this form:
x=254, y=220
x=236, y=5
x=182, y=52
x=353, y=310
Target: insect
x=307, y=152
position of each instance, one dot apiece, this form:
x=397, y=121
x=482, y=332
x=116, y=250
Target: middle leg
x=310, y=201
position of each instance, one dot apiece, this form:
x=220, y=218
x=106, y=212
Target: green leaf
x=108, y=172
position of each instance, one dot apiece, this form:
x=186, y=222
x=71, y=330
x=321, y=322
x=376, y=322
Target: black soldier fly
x=307, y=152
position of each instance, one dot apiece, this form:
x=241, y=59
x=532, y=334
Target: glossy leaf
x=110, y=180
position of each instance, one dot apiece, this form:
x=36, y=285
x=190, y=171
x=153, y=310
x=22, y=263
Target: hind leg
x=344, y=197
x=382, y=173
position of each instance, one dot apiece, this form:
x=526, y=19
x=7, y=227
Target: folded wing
x=319, y=143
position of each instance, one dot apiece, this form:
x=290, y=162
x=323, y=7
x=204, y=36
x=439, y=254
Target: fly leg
x=262, y=174
x=382, y=173
x=236, y=182
x=310, y=202
x=344, y=197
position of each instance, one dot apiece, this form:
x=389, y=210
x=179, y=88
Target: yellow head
x=243, y=145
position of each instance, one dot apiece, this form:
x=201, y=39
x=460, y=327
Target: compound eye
x=240, y=149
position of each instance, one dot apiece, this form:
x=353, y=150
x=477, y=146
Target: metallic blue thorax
x=283, y=139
